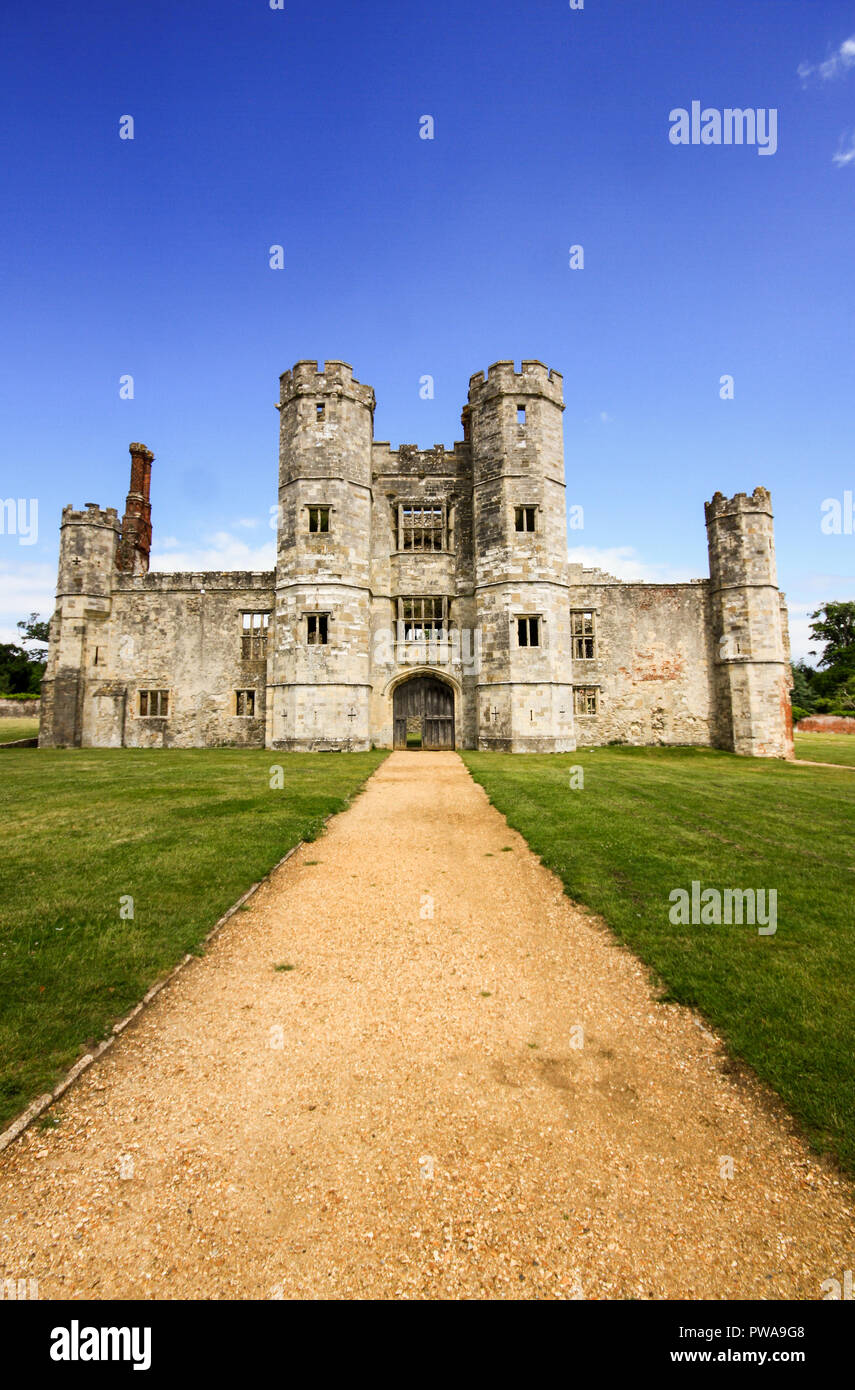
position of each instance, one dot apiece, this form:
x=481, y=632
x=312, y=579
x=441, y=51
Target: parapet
x=720, y=506
x=533, y=379
x=92, y=516
x=329, y=379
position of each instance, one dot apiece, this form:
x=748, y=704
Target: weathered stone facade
x=447, y=568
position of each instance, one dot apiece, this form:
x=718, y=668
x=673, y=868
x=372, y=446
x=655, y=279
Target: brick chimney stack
x=134, y=548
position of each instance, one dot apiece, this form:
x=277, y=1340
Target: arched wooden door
x=423, y=710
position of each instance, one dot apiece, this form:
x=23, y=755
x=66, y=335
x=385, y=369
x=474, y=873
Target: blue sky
x=405, y=257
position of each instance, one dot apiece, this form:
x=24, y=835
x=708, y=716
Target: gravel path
x=406, y=1112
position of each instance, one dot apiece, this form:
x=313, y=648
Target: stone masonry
x=418, y=594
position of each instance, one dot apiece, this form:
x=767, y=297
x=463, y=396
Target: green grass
x=183, y=833
x=651, y=820
x=12, y=728
x=826, y=748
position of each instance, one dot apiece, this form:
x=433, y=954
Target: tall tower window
x=520, y=414
x=528, y=632
x=254, y=628
x=524, y=518
x=319, y=519
x=583, y=633
x=421, y=528
x=320, y=412
x=317, y=629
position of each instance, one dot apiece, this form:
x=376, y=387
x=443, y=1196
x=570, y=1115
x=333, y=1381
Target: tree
x=35, y=629
x=834, y=624
x=21, y=670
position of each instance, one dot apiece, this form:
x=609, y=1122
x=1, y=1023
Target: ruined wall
x=749, y=627
x=652, y=664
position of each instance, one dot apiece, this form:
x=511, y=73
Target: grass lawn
x=12, y=728
x=652, y=820
x=183, y=833
x=826, y=748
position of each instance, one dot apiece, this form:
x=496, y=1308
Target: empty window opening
x=320, y=411
x=254, y=628
x=422, y=618
x=421, y=528
x=154, y=702
x=244, y=702
x=528, y=632
x=317, y=627
x=520, y=414
x=586, y=699
x=319, y=519
x=524, y=518
x=582, y=631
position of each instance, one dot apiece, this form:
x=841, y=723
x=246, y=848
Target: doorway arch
x=423, y=713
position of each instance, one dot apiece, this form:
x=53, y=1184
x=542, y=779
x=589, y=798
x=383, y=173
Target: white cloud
x=624, y=562
x=844, y=157
x=24, y=589
x=840, y=61
x=221, y=551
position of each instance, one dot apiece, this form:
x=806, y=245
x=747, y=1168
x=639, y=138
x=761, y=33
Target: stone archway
x=423, y=713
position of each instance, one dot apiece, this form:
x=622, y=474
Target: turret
x=88, y=543
x=751, y=662
x=520, y=544
x=319, y=670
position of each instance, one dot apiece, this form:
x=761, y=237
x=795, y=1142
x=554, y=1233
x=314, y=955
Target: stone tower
x=525, y=692
x=751, y=666
x=88, y=543
x=319, y=666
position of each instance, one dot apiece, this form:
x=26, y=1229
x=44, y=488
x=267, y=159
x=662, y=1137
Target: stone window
x=320, y=412
x=245, y=702
x=154, y=702
x=524, y=518
x=421, y=528
x=422, y=618
x=528, y=632
x=254, y=628
x=583, y=633
x=319, y=519
x=520, y=414
x=586, y=699
x=317, y=629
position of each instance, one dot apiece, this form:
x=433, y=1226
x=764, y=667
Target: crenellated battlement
x=409, y=460
x=308, y=378
x=93, y=515
x=533, y=379
x=760, y=500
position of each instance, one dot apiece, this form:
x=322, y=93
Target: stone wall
x=825, y=724
x=652, y=664
x=26, y=709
